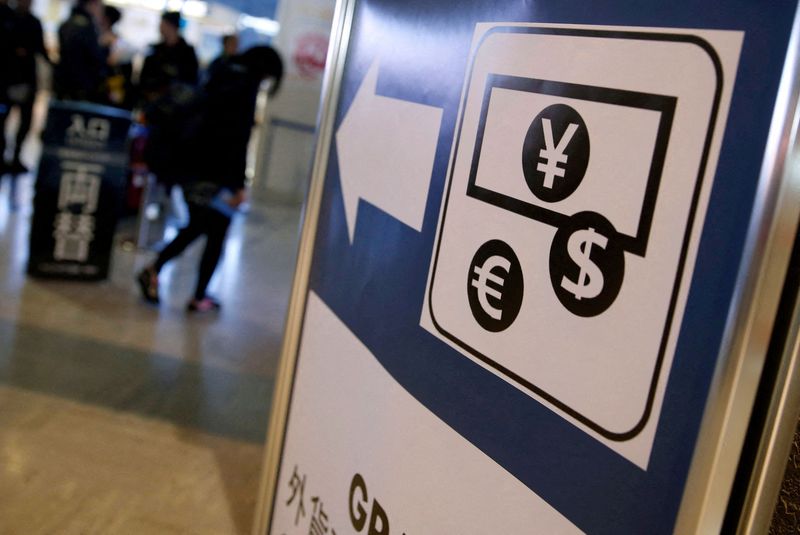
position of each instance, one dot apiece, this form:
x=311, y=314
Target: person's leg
x=196, y=227
x=25, y=121
x=148, y=277
x=217, y=229
x=5, y=108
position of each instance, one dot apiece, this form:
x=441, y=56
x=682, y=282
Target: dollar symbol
x=590, y=280
x=587, y=264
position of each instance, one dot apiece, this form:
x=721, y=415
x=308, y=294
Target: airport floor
x=121, y=417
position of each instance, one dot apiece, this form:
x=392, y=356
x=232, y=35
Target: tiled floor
x=119, y=417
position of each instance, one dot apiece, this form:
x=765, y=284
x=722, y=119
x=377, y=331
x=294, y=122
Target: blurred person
x=6, y=55
x=170, y=61
x=230, y=47
x=119, y=83
x=27, y=42
x=165, y=114
x=82, y=68
x=167, y=82
x=215, y=158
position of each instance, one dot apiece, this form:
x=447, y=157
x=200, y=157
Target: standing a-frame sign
x=541, y=261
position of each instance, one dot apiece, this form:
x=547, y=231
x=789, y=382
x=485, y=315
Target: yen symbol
x=495, y=286
x=555, y=153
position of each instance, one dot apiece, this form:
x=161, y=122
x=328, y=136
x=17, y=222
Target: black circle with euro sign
x=587, y=264
x=544, y=156
x=495, y=286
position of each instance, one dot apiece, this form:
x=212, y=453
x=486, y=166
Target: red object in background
x=137, y=169
x=310, y=53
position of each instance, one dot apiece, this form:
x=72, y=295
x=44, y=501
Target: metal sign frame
x=749, y=324
x=281, y=400
x=774, y=419
x=773, y=226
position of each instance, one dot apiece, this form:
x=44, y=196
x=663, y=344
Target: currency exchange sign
x=529, y=238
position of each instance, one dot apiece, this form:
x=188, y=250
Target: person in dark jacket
x=82, y=69
x=228, y=115
x=216, y=157
x=230, y=47
x=169, y=74
x=170, y=61
x=28, y=42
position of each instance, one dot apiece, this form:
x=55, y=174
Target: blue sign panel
x=532, y=221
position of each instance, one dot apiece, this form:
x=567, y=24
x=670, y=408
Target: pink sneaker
x=205, y=304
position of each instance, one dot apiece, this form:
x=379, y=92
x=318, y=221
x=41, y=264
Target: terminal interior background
x=119, y=417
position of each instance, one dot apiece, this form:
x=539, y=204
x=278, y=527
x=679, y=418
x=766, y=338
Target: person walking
x=28, y=42
x=215, y=158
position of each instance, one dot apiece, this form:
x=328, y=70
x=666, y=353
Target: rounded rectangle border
x=504, y=371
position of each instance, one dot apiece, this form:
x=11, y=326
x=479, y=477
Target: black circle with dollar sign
x=495, y=286
x=587, y=264
x=555, y=153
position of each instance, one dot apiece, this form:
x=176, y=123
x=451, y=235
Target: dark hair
x=172, y=17
x=264, y=62
x=112, y=14
x=228, y=37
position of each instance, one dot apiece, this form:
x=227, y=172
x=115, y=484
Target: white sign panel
x=340, y=475
x=576, y=198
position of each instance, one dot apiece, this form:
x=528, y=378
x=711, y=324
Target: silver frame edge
x=776, y=437
x=751, y=316
x=332, y=79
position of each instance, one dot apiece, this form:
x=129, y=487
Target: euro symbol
x=484, y=276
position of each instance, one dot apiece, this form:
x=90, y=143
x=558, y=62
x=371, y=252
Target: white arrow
x=386, y=149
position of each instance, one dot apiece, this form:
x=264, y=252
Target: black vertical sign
x=79, y=190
